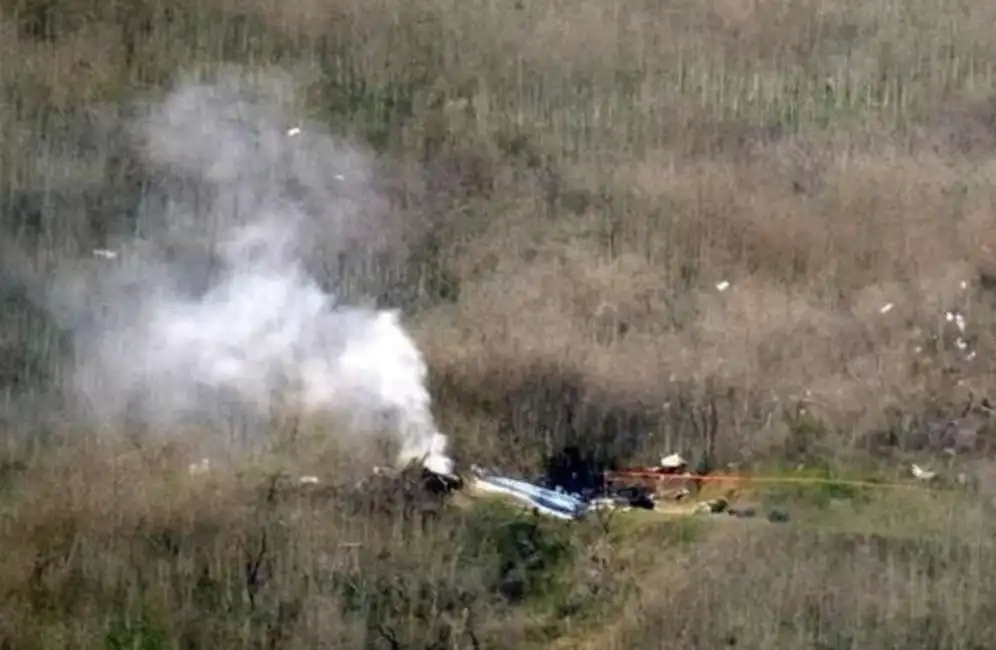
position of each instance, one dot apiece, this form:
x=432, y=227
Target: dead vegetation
x=574, y=182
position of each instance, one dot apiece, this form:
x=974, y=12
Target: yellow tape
x=796, y=480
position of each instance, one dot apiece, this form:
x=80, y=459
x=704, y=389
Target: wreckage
x=423, y=485
x=668, y=480
x=640, y=488
x=553, y=502
x=668, y=488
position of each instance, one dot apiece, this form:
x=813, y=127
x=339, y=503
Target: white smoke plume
x=211, y=309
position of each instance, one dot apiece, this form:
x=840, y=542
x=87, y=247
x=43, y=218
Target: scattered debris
x=956, y=318
x=714, y=506
x=670, y=480
x=958, y=335
x=410, y=491
x=201, y=467
x=922, y=474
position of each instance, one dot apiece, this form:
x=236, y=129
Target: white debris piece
x=308, y=480
x=604, y=503
x=923, y=474
x=886, y=308
x=722, y=286
x=672, y=461
x=294, y=131
x=201, y=467
x=105, y=253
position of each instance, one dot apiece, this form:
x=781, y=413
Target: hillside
x=603, y=221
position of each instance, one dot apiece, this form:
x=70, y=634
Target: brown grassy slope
x=579, y=176
x=584, y=174
x=110, y=546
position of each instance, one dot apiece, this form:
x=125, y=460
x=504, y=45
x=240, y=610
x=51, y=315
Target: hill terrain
x=758, y=233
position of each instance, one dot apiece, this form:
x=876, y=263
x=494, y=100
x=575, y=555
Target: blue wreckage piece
x=552, y=502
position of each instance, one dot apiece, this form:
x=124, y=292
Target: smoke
x=211, y=313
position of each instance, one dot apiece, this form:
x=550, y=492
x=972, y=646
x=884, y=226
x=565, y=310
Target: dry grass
x=577, y=177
